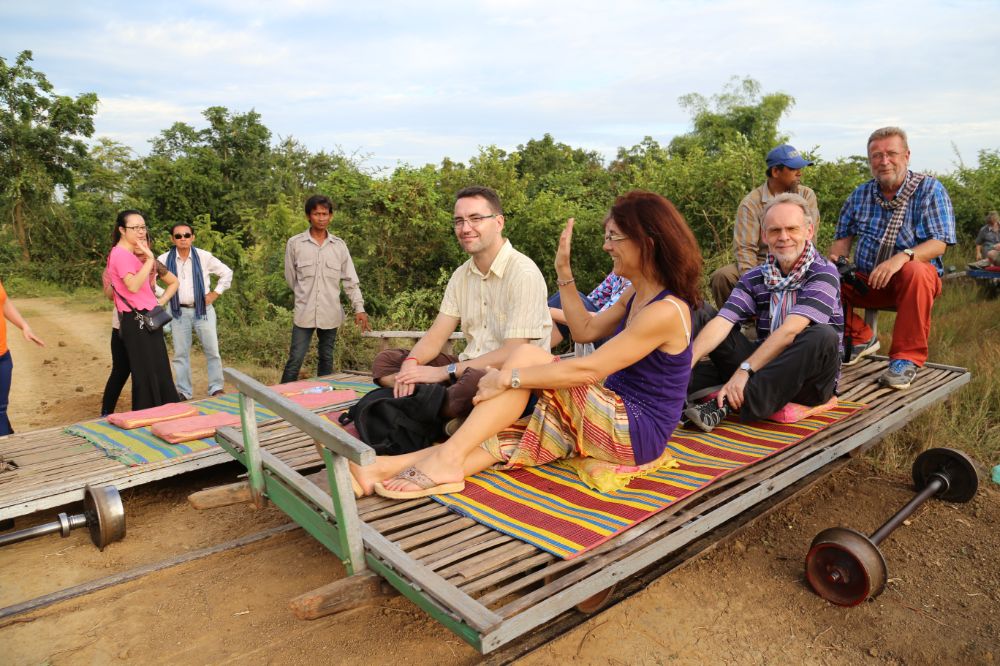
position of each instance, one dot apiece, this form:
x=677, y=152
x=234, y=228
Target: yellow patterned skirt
x=587, y=425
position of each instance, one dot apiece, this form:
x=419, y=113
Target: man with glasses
x=498, y=296
x=316, y=264
x=784, y=173
x=794, y=300
x=191, y=307
x=903, y=222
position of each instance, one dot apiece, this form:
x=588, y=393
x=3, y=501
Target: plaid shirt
x=929, y=215
x=606, y=294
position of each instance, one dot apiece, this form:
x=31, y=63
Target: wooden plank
x=484, y=541
x=526, y=564
x=320, y=429
x=402, y=519
x=345, y=594
x=489, y=562
x=432, y=535
x=468, y=609
x=218, y=496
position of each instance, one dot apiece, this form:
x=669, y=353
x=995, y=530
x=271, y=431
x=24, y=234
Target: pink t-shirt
x=121, y=262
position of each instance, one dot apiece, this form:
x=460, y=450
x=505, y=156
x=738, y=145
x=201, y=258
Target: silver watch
x=745, y=366
x=515, y=379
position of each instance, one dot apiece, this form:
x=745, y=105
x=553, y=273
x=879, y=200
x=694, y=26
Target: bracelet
x=563, y=283
x=410, y=358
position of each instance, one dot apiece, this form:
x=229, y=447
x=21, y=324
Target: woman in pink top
x=129, y=276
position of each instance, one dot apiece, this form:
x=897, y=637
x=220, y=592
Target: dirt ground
x=744, y=602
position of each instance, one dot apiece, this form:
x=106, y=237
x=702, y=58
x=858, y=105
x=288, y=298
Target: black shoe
x=858, y=352
x=706, y=415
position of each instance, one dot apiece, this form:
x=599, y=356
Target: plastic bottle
x=318, y=389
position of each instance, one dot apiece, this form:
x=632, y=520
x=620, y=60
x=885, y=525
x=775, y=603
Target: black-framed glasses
x=138, y=227
x=185, y=235
x=612, y=237
x=473, y=220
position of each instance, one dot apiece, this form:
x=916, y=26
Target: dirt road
x=742, y=603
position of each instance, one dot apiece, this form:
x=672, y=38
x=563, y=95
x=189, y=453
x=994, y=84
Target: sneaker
x=452, y=426
x=706, y=415
x=218, y=393
x=978, y=265
x=900, y=374
x=860, y=351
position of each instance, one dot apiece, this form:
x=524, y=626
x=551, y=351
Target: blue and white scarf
x=784, y=288
x=199, y=285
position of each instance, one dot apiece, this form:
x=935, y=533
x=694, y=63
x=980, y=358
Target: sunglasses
x=180, y=236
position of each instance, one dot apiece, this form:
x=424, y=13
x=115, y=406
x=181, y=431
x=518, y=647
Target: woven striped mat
x=140, y=446
x=552, y=509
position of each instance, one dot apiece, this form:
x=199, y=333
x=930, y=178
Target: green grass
x=965, y=332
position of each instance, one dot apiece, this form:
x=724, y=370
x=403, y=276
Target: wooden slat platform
x=503, y=588
x=51, y=467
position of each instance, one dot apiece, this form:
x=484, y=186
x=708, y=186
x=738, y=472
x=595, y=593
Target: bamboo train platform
x=47, y=468
x=494, y=591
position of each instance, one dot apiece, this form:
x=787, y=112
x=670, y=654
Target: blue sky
x=414, y=82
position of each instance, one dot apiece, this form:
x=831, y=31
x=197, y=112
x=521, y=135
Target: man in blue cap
x=784, y=173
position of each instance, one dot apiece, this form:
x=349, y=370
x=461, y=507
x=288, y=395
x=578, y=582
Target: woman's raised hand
x=563, y=270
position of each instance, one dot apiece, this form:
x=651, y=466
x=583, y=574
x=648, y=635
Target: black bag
x=152, y=320
x=155, y=319
x=393, y=426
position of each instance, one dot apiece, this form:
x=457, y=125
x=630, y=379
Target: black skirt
x=152, y=383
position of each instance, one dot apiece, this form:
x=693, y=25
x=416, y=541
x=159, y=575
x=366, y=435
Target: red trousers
x=911, y=292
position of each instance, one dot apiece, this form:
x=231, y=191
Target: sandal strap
x=417, y=478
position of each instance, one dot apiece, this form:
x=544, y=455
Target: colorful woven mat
x=140, y=446
x=552, y=509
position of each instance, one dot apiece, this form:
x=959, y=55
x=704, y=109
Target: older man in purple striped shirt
x=795, y=297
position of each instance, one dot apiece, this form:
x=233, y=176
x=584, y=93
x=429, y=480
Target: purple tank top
x=653, y=389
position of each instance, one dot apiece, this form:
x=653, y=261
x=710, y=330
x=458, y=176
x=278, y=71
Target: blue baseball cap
x=787, y=156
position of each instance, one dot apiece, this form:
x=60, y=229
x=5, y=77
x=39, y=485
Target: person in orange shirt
x=6, y=363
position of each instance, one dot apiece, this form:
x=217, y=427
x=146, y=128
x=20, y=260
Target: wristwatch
x=745, y=366
x=515, y=379
x=910, y=253
x=453, y=372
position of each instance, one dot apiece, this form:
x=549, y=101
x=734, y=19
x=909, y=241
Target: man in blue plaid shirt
x=902, y=222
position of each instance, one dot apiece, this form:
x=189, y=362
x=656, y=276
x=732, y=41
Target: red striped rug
x=551, y=508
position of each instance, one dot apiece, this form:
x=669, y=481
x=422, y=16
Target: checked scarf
x=784, y=288
x=199, y=285
x=887, y=245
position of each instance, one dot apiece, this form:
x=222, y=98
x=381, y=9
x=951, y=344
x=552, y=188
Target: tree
x=737, y=114
x=41, y=142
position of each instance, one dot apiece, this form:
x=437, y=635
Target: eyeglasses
x=613, y=237
x=473, y=220
x=892, y=155
x=138, y=227
x=180, y=236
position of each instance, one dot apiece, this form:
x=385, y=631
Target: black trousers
x=152, y=383
x=805, y=372
x=120, y=371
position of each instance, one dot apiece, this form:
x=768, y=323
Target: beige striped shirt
x=509, y=301
x=748, y=247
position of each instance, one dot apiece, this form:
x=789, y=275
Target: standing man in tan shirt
x=784, y=173
x=316, y=263
x=498, y=296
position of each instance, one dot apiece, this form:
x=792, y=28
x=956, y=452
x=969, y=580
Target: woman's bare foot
x=435, y=467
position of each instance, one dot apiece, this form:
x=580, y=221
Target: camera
x=848, y=274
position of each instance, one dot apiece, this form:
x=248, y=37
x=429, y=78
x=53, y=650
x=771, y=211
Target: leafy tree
x=41, y=142
x=739, y=113
x=974, y=192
